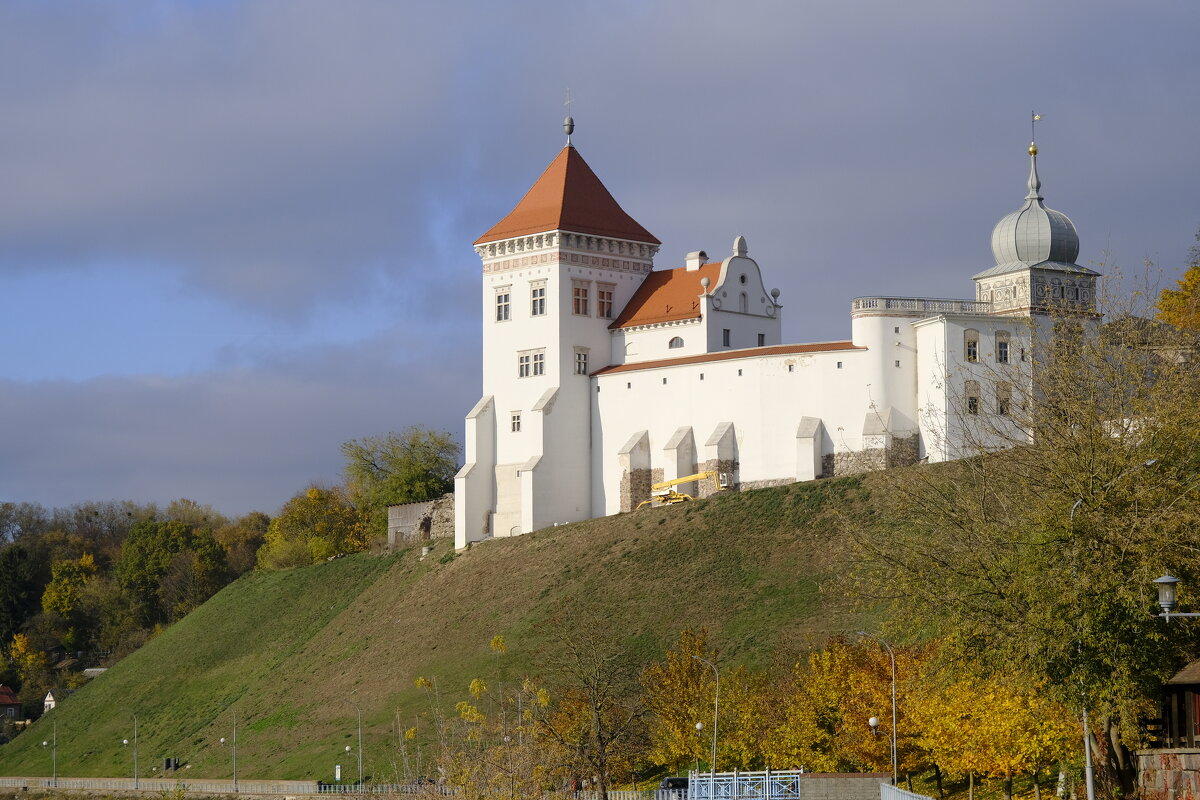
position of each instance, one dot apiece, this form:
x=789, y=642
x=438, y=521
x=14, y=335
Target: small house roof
x=8, y=697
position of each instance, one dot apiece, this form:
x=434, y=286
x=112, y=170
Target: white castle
x=603, y=376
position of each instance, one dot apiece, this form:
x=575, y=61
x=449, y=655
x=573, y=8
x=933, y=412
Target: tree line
x=86, y=584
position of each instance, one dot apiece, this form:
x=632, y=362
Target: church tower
x=556, y=271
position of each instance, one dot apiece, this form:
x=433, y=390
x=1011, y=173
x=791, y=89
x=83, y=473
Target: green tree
x=150, y=554
x=314, y=525
x=20, y=589
x=66, y=584
x=414, y=465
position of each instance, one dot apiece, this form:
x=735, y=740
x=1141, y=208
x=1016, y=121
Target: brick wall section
x=821, y=786
x=1169, y=774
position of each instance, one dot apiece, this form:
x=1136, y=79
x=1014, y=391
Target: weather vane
x=568, y=123
x=1034, y=118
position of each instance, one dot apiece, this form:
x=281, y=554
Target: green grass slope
x=297, y=652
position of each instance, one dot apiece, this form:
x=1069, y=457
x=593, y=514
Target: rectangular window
x=762, y=339
x=516, y=422
x=539, y=362
x=604, y=300
x=579, y=298
x=1002, y=351
x=581, y=361
x=537, y=301
x=1003, y=399
x=972, y=405
x=725, y=337
x=503, y=305
x=523, y=362
x=972, y=350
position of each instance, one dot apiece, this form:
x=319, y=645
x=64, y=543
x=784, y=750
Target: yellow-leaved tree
x=314, y=525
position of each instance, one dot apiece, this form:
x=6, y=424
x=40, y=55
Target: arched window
x=675, y=343
x=971, y=344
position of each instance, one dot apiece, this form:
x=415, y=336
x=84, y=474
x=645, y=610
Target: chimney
x=695, y=259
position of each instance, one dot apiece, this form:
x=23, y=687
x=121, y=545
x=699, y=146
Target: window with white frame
x=537, y=299
x=604, y=300
x=971, y=344
x=539, y=362
x=503, y=303
x=1002, y=347
x=516, y=422
x=675, y=343
x=581, y=361
x=580, y=290
x=524, y=364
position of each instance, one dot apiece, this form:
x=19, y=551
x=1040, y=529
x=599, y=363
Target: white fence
x=889, y=792
x=766, y=785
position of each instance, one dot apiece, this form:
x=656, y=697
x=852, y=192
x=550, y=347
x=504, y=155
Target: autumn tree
x=1038, y=559
x=677, y=692
x=314, y=525
x=414, y=465
x=1181, y=306
x=597, y=717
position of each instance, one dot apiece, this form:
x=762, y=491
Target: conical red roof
x=568, y=197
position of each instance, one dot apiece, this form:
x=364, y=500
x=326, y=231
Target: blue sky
x=235, y=235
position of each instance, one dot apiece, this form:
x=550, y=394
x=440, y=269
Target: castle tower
x=556, y=271
x=1035, y=250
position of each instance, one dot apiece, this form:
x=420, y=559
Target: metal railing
x=889, y=792
x=923, y=305
x=766, y=785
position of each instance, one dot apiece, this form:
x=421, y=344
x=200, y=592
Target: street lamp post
x=53, y=743
x=125, y=742
x=712, y=765
x=234, y=746
x=892, y=656
x=1166, y=597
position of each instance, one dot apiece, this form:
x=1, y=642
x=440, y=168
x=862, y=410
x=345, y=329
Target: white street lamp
x=233, y=744
x=712, y=766
x=892, y=656
x=125, y=743
x=53, y=744
x=1166, y=586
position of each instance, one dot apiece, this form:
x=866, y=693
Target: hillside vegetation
x=298, y=652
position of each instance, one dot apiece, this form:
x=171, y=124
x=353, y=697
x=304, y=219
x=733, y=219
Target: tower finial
x=568, y=123
x=1034, y=118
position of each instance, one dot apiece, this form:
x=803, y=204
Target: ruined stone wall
x=419, y=522
x=635, y=486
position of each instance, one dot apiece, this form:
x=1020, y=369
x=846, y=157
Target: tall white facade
x=603, y=375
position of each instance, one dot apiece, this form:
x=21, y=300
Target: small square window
x=628, y=385
x=701, y=376
x=791, y=367
x=839, y=365
x=664, y=381
x=897, y=362
x=762, y=339
x=972, y=405
x=896, y=329
x=739, y=373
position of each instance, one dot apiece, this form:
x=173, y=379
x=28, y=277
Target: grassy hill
x=296, y=652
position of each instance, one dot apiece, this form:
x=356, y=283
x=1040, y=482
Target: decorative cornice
x=567, y=248
x=674, y=323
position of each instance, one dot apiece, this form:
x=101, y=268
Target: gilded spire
x=1035, y=183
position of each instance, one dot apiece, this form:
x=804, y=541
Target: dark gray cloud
x=309, y=163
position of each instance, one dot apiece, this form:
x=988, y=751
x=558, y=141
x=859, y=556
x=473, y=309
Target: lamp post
x=892, y=656
x=53, y=743
x=1166, y=597
x=1089, y=772
x=712, y=765
x=234, y=746
x=125, y=742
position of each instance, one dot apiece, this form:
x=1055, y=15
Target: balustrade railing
x=924, y=305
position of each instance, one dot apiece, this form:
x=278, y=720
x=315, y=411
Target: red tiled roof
x=667, y=295
x=729, y=355
x=568, y=197
x=7, y=698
